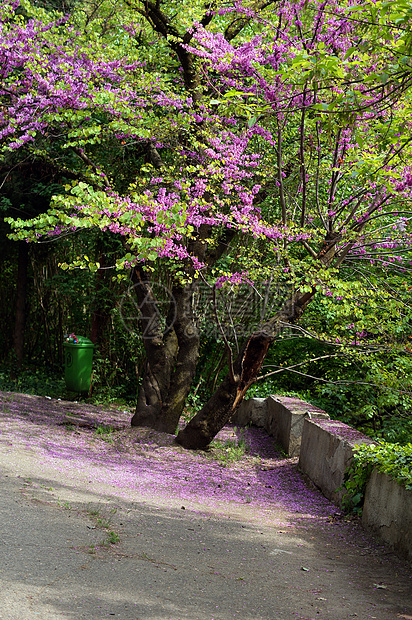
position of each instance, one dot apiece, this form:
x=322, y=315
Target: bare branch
x=302, y=159
x=280, y=178
x=225, y=340
x=93, y=166
x=284, y=368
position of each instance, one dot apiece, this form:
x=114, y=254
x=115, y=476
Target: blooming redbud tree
x=277, y=127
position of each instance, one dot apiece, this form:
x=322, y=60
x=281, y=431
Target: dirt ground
x=98, y=519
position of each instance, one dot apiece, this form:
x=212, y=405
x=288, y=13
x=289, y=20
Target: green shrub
x=392, y=459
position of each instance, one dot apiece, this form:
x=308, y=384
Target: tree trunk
x=161, y=351
x=171, y=357
x=21, y=294
x=153, y=393
x=205, y=425
x=101, y=308
x=40, y=274
x=226, y=399
x=188, y=339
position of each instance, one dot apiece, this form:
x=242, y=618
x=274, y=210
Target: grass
x=62, y=504
x=43, y=486
x=103, y=521
x=113, y=538
x=104, y=432
x=230, y=450
x=93, y=511
x=8, y=400
x=41, y=381
x=33, y=380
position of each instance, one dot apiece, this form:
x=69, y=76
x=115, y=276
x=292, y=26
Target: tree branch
x=283, y=368
x=302, y=159
x=280, y=179
x=89, y=162
x=225, y=340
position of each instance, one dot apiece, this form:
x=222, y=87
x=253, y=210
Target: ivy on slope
x=392, y=459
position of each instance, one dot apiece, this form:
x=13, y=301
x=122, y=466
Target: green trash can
x=78, y=358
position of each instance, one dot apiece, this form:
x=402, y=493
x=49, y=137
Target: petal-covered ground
x=235, y=531
x=141, y=459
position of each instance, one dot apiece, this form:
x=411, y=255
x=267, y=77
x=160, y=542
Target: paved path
x=91, y=529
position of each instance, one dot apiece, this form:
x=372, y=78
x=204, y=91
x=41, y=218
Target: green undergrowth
x=103, y=520
x=230, y=450
x=41, y=381
x=104, y=432
x=392, y=459
x=32, y=380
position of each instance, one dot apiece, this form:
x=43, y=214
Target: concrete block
x=326, y=452
x=280, y=416
x=251, y=411
x=387, y=512
x=285, y=417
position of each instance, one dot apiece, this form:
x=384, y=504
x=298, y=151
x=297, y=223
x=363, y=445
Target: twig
x=284, y=368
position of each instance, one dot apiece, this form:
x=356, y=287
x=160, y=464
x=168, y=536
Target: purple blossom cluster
x=38, y=84
x=54, y=87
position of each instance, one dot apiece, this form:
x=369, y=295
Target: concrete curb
x=387, y=512
x=325, y=448
x=326, y=453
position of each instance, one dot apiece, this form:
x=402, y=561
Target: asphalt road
x=71, y=548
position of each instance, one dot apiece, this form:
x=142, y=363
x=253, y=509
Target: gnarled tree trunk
x=188, y=340
x=161, y=351
x=171, y=358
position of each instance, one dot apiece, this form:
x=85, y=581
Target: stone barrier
x=325, y=448
x=285, y=418
x=252, y=411
x=326, y=453
x=387, y=512
x=280, y=416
